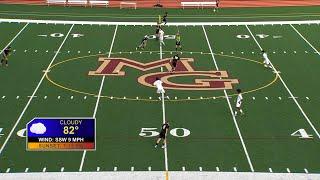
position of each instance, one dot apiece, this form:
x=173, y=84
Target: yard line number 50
x=152, y=132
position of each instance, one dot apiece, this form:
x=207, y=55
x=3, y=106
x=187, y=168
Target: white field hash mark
x=289, y=91
x=34, y=92
x=99, y=96
x=229, y=104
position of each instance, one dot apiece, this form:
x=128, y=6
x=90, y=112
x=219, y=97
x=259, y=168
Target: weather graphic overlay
x=61, y=134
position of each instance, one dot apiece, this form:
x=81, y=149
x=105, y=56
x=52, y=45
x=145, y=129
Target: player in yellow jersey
x=178, y=41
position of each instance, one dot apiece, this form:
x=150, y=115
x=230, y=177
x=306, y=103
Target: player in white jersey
x=266, y=60
x=158, y=84
x=161, y=36
x=239, y=103
x=160, y=89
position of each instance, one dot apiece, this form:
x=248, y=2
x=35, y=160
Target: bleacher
x=85, y=3
x=200, y=4
x=133, y=4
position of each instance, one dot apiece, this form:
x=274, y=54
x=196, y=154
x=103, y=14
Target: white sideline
x=34, y=92
x=154, y=23
x=99, y=95
x=285, y=85
x=147, y=175
x=230, y=107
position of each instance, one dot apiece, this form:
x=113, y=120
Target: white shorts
x=266, y=62
x=160, y=91
x=238, y=105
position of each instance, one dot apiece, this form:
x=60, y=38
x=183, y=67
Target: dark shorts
x=174, y=63
x=178, y=43
x=162, y=135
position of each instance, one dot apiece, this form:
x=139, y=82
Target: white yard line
x=99, y=96
x=34, y=92
x=82, y=160
x=8, y=170
x=157, y=175
x=39, y=21
x=161, y=68
x=163, y=121
x=305, y=39
x=289, y=91
x=229, y=104
x=14, y=37
x=166, y=144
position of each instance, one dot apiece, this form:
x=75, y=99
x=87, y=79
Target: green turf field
x=48, y=76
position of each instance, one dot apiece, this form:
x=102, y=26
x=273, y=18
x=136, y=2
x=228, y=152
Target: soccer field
x=60, y=70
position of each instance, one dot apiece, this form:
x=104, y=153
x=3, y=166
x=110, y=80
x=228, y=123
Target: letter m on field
x=114, y=66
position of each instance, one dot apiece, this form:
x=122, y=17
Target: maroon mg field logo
x=212, y=80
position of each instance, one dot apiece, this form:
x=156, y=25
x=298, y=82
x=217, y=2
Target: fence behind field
x=168, y=3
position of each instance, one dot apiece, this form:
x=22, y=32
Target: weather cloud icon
x=38, y=128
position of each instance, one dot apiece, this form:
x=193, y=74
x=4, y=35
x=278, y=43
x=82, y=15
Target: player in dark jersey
x=164, y=18
x=178, y=41
x=163, y=134
x=143, y=43
x=158, y=30
x=5, y=55
x=217, y=6
x=174, y=62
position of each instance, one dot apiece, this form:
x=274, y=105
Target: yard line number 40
x=152, y=132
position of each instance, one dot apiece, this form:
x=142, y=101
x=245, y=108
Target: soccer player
x=238, y=103
x=217, y=6
x=266, y=60
x=5, y=55
x=160, y=89
x=178, y=41
x=158, y=30
x=161, y=36
x=174, y=62
x=163, y=134
x=143, y=43
x=164, y=18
